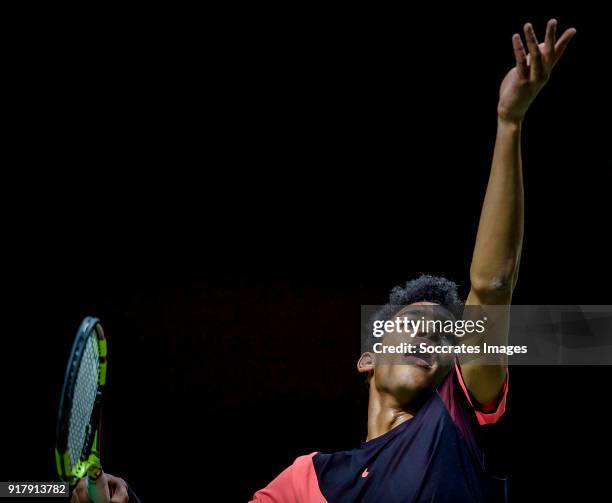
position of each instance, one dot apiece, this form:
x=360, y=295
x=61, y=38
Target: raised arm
x=495, y=263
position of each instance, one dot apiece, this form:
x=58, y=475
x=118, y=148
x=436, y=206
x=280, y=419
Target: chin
x=415, y=379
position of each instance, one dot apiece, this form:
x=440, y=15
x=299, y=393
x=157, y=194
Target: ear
x=366, y=363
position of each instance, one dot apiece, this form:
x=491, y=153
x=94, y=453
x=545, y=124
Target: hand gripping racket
x=77, y=451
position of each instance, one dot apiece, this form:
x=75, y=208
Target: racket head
x=77, y=441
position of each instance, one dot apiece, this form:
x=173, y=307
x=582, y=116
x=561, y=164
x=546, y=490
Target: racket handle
x=97, y=485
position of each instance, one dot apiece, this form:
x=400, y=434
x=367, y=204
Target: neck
x=385, y=413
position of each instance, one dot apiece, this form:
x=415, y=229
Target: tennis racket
x=77, y=451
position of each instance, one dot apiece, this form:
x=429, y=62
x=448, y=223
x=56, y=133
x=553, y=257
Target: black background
x=224, y=190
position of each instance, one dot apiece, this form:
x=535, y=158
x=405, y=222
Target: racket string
x=86, y=387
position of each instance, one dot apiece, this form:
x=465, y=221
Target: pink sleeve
x=486, y=413
x=296, y=484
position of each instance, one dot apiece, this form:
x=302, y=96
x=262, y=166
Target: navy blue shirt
x=448, y=452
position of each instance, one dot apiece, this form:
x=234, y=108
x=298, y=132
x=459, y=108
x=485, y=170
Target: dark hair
x=425, y=288
x=428, y=288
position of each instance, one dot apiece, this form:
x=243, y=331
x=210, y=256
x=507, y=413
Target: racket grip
x=97, y=485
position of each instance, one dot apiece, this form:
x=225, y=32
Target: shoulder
x=298, y=482
x=456, y=396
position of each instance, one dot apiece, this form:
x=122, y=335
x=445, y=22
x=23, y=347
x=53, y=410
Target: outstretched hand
x=522, y=84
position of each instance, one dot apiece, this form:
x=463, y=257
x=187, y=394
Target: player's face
x=410, y=376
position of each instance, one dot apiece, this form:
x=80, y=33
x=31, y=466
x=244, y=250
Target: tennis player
x=431, y=432
x=432, y=425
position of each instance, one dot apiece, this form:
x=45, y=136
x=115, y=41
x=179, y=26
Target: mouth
x=420, y=360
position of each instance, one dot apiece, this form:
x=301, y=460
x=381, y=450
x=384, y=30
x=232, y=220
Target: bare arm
x=495, y=263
